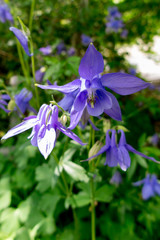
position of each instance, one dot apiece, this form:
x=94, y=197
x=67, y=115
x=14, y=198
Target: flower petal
x=157, y=188
x=112, y=157
x=75, y=118
x=2, y=107
x=91, y=64
x=70, y=134
x=138, y=183
x=147, y=191
x=22, y=39
x=80, y=100
x=46, y=140
x=131, y=149
x=124, y=158
x=96, y=110
x=115, y=111
x=21, y=127
x=122, y=83
x=67, y=102
x=67, y=88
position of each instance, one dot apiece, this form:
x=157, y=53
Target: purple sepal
x=67, y=88
x=22, y=39
x=91, y=64
x=122, y=83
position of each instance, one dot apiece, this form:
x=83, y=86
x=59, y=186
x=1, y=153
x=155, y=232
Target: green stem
x=93, y=230
x=22, y=62
x=76, y=224
x=19, y=49
x=33, y=73
x=31, y=15
x=61, y=173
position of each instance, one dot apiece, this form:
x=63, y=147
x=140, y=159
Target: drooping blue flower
x=44, y=129
x=5, y=14
x=90, y=88
x=22, y=38
x=118, y=154
x=116, y=178
x=151, y=186
x=22, y=101
x=3, y=102
x=86, y=40
x=114, y=12
x=39, y=74
x=46, y=50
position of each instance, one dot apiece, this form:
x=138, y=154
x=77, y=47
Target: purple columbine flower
x=45, y=126
x=39, y=74
x=71, y=51
x=155, y=139
x=22, y=101
x=114, y=25
x=132, y=71
x=90, y=88
x=5, y=14
x=61, y=48
x=151, y=186
x=114, y=12
x=124, y=33
x=3, y=102
x=22, y=38
x=86, y=40
x=116, y=178
x=118, y=154
x=46, y=50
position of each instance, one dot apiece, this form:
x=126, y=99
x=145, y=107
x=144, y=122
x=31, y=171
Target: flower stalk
x=33, y=73
x=31, y=15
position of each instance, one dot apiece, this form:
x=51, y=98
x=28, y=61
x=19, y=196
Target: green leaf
x=22, y=233
x=9, y=220
x=104, y=193
x=53, y=70
x=141, y=161
x=67, y=234
x=48, y=203
x=5, y=193
x=24, y=210
x=81, y=199
x=75, y=171
x=46, y=177
x=47, y=227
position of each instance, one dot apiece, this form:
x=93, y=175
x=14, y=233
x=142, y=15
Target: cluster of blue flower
x=5, y=14
x=115, y=22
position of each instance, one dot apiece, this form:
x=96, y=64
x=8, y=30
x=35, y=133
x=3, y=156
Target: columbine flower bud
x=106, y=125
x=63, y=119
x=95, y=148
x=11, y=105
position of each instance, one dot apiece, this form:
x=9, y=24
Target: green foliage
x=52, y=199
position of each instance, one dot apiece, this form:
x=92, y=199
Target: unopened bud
x=106, y=125
x=11, y=105
x=95, y=149
x=63, y=119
